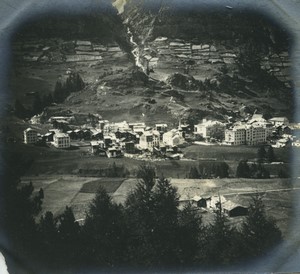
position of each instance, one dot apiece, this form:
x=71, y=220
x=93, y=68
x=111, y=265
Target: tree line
x=61, y=91
x=209, y=170
x=149, y=231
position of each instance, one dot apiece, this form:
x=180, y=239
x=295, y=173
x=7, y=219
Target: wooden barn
x=234, y=210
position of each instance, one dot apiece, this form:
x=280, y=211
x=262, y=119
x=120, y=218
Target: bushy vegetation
x=209, y=170
x=257, y=171
x=61, y=91
x=149, y=230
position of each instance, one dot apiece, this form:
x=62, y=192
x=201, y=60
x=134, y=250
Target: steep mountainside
x=155, y=63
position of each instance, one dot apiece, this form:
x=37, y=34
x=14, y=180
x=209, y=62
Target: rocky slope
x=157, y=64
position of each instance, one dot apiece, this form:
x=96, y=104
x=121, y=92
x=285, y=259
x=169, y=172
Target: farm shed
x=199, y=201
x=233, y=209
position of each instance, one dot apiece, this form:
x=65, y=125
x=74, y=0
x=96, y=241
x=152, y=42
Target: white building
x=256, y=135
x=149, y=139
x=30, y=136
x=173, y=138
x=161, y=127
x=96, y=145
x=204, y=129
x=114, y=127
x=235, y=136
x=279, y=121
x=246, y=135
x=114, y=152
x=61, y=140
x=137, y=127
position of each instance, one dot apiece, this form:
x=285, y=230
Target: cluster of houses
x=112, y=139
x=211, y=202
x=256, y=130
x=116, y=139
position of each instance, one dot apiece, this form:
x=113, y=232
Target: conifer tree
x=270, y=156
x=259, y=232
x=104, y=231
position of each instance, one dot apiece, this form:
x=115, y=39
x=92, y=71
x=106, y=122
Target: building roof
x=278, y=119
x=61, y=135
x=161, y=125
x=196, y=198
x=229, y=205
x=208, y=123
x=96, y=143
x=29, y=129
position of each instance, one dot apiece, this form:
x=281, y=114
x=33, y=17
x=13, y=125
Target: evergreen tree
x=147, y=175
x=47, y=227
x=68, y=228
x=20, y=110
x=270, y=156
x=219, y=240
x=261, y=154
x=222, y=170
x=243, y=170
x=68, y=238
x=104, y=232
x=191, y=236
x=141, y=218
x=259, y=232
x=58, y=94
x=48, y=233
x=152, y=215
x=283, y=173
x=193, y=174
x=37, y=105
x=165, y=203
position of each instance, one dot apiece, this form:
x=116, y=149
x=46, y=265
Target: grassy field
x=232, y=153
x=78, y=192
x=54, y=161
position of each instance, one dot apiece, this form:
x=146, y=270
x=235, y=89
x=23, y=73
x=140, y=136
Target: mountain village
x=138, y=140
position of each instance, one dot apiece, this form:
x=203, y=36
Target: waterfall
x=136, y=51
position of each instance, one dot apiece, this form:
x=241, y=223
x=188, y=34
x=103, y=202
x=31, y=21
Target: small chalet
x=199, y=201
x=130, y=147
x=113, y=152
x=233, y=209
x=161, y=127
x=127, y=136
x=98, y=148
x=97, y=135
x=149, y=139
x=48, y=137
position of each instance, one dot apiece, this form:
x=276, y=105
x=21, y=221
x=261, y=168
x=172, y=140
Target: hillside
x=157, y=64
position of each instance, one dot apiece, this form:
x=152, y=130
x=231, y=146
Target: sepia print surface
x=149, y=136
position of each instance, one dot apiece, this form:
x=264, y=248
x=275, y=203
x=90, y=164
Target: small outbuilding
x=233, y=209
x=199, y=201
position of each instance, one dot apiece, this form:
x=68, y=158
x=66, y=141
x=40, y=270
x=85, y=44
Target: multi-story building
x=138, y=127
x=255, y=135
x=205, y=128
x=235, y=135
x=161, y=127
x=149, y=139
x=30, y=136
x=114, y=127
x=61, y=140
x=246, y=135
x=279, y=121
x=173, y=138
